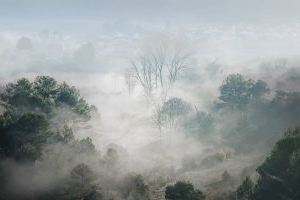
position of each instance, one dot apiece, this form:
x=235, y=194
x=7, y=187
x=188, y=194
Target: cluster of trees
x=25, y=125
x=243, y=110
x=43, y=95
x=256, y=114
x=26, y=128
x=236, y=91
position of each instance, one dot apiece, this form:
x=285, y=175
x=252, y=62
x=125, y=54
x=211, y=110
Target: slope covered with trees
x=279, y=176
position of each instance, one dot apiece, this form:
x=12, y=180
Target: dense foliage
x=25, y=126
x=27, y=130
x=44, y=95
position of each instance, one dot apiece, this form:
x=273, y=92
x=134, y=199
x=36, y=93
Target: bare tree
x=159, y=68
x=178, y=63
x=144, y=73
x=158, y=120
x=129, y=79
x=159, y=61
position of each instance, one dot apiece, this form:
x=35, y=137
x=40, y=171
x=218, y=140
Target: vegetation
x=279, y=176
x=236, y=91
x=245, y=190
x=135, y=188
x=183, y=191
x=26, y=129
x=37, y=140
x=280, y=173
x=25, y=125
x=158, y=68
x=170, y=113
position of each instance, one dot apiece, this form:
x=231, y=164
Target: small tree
x=82, y=184
x=171, y=111
x=183, y=191
x=235, y=91
x=245, y=190
x=135, y=188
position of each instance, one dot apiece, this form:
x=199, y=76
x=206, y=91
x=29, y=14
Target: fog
x=93, y=45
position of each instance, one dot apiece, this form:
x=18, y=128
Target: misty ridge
x=150, y=113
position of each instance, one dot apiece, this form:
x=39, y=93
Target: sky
x=230, y=30
x=167, y=11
